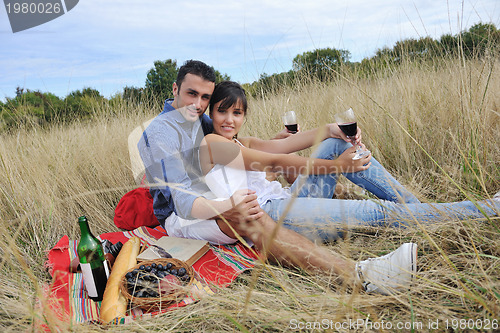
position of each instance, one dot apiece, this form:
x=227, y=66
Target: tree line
x=41, y=108
x=479, y=41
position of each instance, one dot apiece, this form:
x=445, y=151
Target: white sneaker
x=391, y=273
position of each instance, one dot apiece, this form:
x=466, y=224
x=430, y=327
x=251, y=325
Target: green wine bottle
x=94, y=265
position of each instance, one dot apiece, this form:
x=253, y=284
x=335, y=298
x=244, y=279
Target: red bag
x=135, y=210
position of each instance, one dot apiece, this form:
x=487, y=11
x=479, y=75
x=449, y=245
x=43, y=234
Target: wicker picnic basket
x=155, y=303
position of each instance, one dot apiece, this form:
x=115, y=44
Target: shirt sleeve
x=166, y=169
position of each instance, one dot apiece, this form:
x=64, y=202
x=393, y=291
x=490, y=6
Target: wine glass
x=290, y=121
x=348, y=124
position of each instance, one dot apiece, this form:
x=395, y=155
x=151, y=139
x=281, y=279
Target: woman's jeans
x=314, y=214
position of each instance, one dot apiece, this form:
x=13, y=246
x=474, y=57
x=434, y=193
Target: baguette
x=113, y=304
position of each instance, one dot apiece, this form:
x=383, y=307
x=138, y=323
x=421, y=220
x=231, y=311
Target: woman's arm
x=219, y=150
x=242, y=204
x=299, y=141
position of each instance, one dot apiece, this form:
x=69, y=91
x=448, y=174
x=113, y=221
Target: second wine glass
x=290, y=121
x=347, y=122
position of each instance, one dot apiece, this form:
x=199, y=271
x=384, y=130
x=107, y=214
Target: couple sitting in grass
x=209, y=184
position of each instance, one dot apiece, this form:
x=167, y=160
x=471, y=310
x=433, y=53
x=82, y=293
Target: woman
x=313, y=213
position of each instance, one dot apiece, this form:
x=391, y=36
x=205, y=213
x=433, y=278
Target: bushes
x=30, y=108
x=34, y=108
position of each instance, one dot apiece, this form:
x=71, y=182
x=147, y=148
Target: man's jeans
x=314, y=214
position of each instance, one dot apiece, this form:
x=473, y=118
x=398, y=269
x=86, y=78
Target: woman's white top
x=224, y=180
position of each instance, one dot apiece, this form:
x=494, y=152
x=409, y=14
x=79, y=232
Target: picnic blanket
x=68, y=299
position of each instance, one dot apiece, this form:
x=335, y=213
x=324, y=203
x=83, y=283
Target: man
x=169, y=149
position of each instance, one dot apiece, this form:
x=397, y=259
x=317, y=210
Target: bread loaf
x=114, y=305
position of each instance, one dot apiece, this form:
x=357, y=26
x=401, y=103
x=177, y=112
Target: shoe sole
x=413, y=254
x=410, y=253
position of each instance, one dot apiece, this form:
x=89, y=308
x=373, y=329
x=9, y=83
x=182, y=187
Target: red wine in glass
x=349, y=129
x=292, y=128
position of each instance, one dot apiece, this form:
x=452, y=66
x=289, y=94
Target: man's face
x=193, y=96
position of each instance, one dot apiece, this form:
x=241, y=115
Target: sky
x=107, y=45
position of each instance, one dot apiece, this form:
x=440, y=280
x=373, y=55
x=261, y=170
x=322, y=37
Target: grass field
x=435, y=127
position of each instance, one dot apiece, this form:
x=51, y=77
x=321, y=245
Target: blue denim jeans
x=314, y=214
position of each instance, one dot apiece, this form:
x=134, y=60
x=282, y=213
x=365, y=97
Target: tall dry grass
x=434, y=127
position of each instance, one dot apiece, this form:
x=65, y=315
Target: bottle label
x=95, y=279
x=88, y=279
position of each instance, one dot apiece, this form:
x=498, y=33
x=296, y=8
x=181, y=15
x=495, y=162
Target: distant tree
x=80, y=104
x=414, y=49
x=480, y=38
x=477, y=41
x=19, y=91
x=271, y=83
x=52, y=106
x=30, y=108
x=132, y=94
x=321, y=63
x=160, y=78
x=448, y=45
x=86, y=92
x=221, y=77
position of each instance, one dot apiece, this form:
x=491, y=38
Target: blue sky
x=108, y=45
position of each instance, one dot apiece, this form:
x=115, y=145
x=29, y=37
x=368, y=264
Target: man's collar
x=168, y=105
x=177, y=116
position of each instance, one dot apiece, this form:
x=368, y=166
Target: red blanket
x=67, y=297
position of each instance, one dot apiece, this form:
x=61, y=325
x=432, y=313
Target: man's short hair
x=195, y=67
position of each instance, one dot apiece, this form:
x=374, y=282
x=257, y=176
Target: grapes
x=150, y=280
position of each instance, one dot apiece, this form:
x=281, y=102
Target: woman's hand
x=240, y=220
x=244, y=207
x=336, y=132
x=285, y=133
x=347, y=165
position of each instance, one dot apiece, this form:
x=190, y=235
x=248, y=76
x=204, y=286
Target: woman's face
x=227, y=122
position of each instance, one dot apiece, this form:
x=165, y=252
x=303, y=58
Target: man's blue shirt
x=169, y=151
